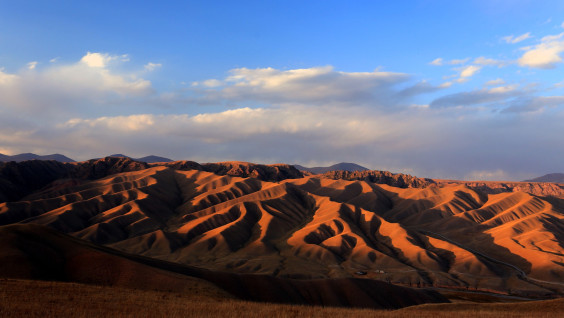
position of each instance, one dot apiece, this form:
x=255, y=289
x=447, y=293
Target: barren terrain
x=272, y=221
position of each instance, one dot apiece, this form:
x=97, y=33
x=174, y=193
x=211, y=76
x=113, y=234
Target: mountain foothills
x=275, y=221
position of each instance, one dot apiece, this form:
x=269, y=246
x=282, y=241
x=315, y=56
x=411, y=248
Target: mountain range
x=62, y=158
x=32, y=156
x=273, y=221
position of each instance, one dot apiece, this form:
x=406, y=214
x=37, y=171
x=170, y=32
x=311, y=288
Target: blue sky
x=445, y=89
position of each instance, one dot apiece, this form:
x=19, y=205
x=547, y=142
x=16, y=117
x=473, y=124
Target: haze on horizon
x=437, y=89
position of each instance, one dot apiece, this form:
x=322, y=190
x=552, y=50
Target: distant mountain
x=551, y=177
x=345, y=166
x=31, y=156
x=147, y=159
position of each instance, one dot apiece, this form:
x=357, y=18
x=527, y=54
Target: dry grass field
x=25, y=298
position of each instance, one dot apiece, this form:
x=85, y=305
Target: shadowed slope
x=36, y=252
x=31, y=251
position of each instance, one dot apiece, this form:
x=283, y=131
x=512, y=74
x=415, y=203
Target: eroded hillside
x=314, y=227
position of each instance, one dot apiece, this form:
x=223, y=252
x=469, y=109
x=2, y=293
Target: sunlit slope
x=315, y=227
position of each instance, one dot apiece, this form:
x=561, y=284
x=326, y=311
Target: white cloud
x=440, y=61
x=316, y=85
x=558, y=85
x=323, y=129
x=486, y=61
x=503, y=89
x=459, y=61
x=119, y=123
x=437, y=62
x=516, y=39
x=101, y=60
x=63, y=87
x=152, y=66
x=487, y=175
x=562, y=25
x=31, y=65
x=469, y=71
x=497, y=81
x=96, y=59
x=53, y=60
x=212, y=83
x=550, y=38
x=7, y=79
x=545, y=54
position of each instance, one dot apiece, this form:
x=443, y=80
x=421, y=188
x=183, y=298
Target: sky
x=469, y=90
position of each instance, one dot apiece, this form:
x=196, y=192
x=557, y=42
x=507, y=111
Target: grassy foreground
x=25, y=298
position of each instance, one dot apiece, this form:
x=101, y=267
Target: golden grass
x=25, y=298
